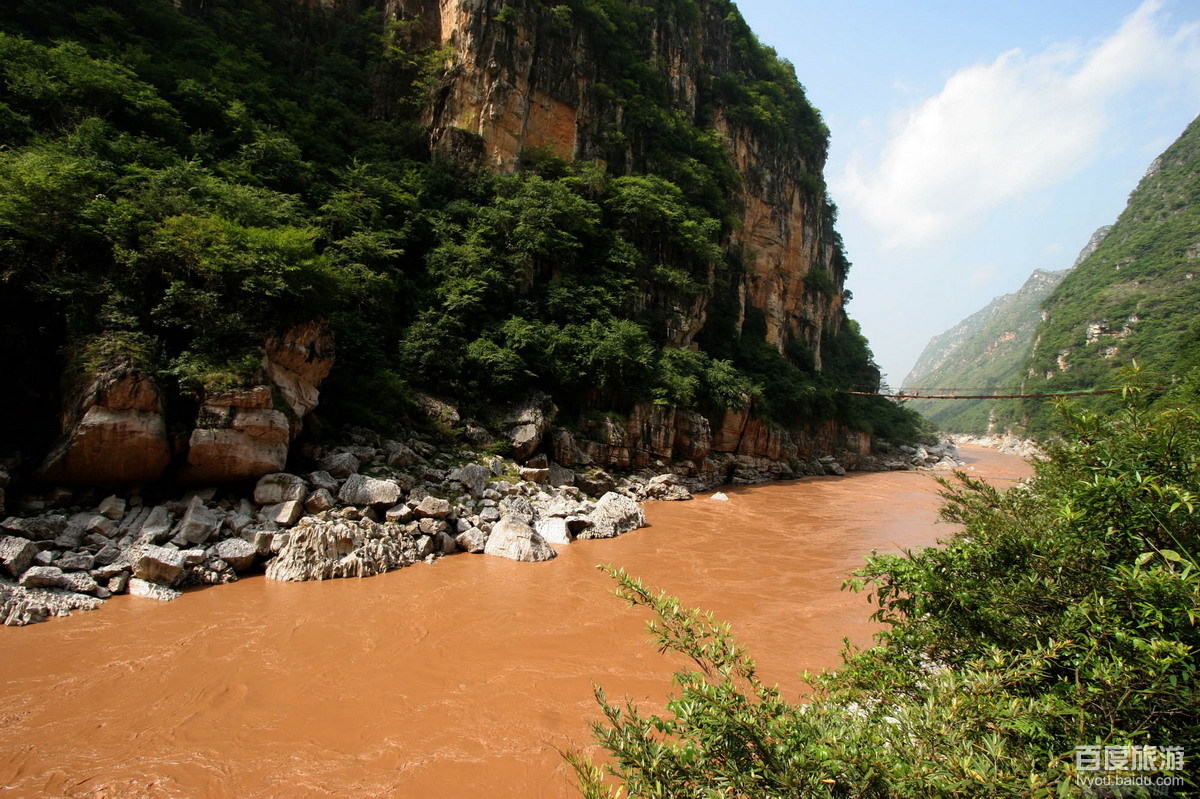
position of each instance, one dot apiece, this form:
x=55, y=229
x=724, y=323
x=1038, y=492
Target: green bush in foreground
x=1064, y=614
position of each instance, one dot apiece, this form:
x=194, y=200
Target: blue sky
x=973, y=142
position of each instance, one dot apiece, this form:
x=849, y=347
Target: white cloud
x=997, y=131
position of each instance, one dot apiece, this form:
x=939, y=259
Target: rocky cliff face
x=115, y=428
x=738, y=449
x=523, y=76
x=114, y=425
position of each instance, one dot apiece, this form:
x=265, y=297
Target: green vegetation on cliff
x=179, y=181
x=986, y=351
x=1137, y=297
x=1132, y=295
x=1063, y=615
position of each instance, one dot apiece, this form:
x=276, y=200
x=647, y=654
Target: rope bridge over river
x=977, y=393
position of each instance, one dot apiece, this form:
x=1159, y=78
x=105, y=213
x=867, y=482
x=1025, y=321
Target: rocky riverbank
x=1009, y=444
x=368, y=507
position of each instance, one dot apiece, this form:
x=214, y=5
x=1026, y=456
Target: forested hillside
x=985, y=352
x=1136, y=298
x=178, y=184
x=1132, y=295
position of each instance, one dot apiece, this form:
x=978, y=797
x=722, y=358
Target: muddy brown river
x=459, y=679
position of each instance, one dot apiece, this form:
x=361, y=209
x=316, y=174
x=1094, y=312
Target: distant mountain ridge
x=1132, y=294
x=986, y=350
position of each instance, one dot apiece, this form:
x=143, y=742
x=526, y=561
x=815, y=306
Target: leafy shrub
x=1063, y=614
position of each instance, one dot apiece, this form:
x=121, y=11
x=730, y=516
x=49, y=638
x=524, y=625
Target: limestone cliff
x=617, y=204
x=524, y=76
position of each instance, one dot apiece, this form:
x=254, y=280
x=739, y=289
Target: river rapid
x=458, y=679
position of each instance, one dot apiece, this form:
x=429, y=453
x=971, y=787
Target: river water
x=458, y=679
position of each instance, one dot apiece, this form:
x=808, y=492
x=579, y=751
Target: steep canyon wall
x=522, y=77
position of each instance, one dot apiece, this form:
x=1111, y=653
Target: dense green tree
x=180, y=180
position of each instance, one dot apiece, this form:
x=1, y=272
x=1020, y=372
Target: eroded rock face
x=322, y=549
x=243, y=435
x=693, y=435
x=650, y=431
x=728, y=436
x=737, y=446
x=296, y=363
x=532, y=82
x=239, y=436
x=114, y=431
x=528, y=421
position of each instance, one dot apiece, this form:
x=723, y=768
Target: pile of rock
x=1010, y=444
x=370, y=506
x=942, y=457
x=120, y=546
x=337, y=521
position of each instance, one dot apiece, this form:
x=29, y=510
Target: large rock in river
x=159, y=565
x=237, y=553
x=321, y=549
x=516, y=540
x=614, y=515
x=16, y=555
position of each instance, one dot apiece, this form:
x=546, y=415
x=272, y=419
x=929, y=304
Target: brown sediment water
x=458, y=679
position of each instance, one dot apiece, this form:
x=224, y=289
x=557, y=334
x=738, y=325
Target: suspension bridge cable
x=917, y=394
